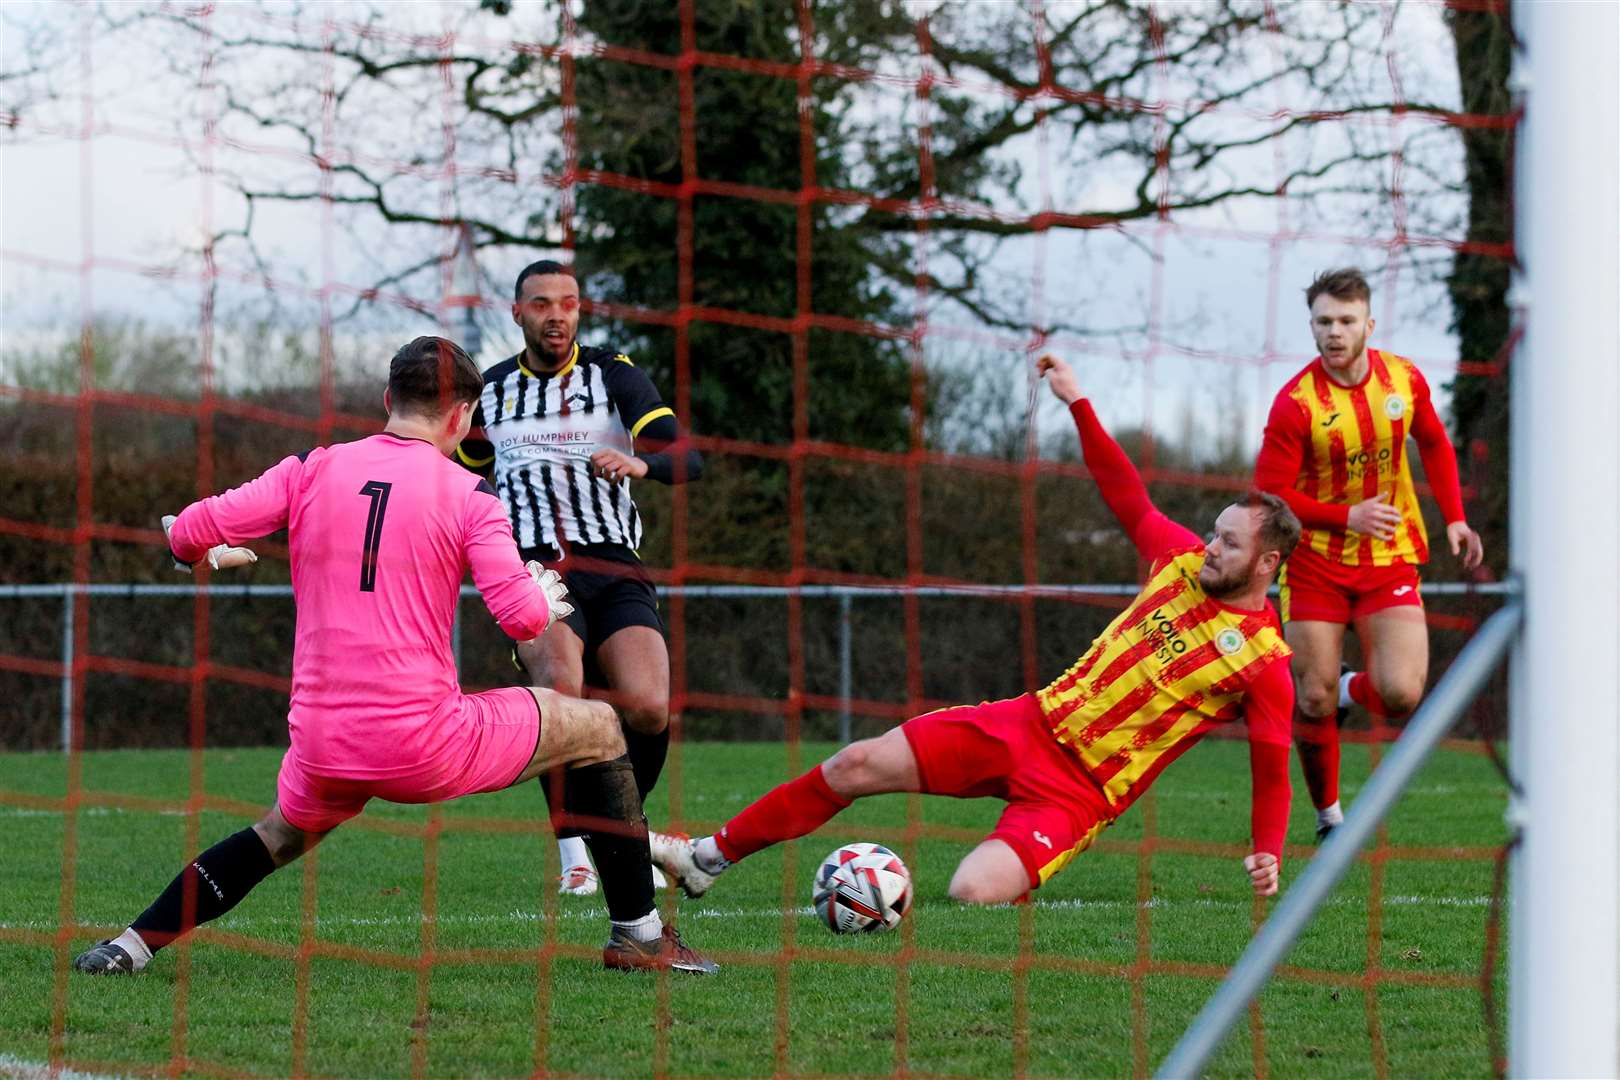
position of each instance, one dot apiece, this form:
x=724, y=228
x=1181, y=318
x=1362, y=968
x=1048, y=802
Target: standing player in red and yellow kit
x=1199, y=647
x=1335, y=449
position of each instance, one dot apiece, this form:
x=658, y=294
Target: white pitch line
x=87, y=811
x=1239, y=796
x=1190, y=795
x=572, y=914
x=16, y=1068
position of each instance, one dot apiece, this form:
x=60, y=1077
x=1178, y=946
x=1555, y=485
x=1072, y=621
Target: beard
x=1355, y=345
x=1230, y=583
x=538, y=346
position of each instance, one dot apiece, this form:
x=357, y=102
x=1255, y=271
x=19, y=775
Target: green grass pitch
x=1097, y=978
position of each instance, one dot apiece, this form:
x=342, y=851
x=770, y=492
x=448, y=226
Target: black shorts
x=609, y=588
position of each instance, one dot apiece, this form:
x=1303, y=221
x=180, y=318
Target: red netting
x=1164, y=234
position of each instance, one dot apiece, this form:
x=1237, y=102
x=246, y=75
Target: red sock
x=786, y=811
x=1318, y=742
x=1363, y=694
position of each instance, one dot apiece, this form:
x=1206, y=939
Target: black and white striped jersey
x=541, y=430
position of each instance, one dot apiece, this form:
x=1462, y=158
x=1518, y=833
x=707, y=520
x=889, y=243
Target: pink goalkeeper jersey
x=380, y=533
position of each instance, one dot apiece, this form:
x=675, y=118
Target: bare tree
x=1146, y=111
x=943, y=138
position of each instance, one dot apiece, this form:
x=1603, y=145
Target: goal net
x=836, y=237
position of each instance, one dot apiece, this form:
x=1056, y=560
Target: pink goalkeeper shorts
x=497, y=736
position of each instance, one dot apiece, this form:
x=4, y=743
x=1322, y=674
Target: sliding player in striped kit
x=560, y=424
x=379, y=534
x=1199, y=647
x=1335, y=449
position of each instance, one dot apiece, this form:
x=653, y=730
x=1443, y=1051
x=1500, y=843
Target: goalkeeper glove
x=551, y=583
x=219, y=557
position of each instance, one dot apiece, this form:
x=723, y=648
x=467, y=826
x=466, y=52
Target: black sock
x=647, y=754
x=554, y=786
x=218, y=878
x=616, y=834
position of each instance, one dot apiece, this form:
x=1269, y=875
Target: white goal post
x=1564, y=485
x=1564, y=941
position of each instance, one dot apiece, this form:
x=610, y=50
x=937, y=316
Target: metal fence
x=846, y=595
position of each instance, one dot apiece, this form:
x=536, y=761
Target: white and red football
x=862, y=888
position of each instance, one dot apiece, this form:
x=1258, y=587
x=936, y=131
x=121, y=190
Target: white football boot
x=577, y=881
x=673, y=854
x=582, y=881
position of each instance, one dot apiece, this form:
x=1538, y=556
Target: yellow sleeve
x=662, y=410
x=476, y=463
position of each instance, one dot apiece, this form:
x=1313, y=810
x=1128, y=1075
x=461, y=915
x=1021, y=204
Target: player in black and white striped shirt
x=561, y=425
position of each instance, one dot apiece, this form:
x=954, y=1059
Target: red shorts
x=1005, y=749
x=490, y=746
x=1317, y=589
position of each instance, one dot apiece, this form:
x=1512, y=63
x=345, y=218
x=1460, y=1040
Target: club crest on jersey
x=1394, y=406
x=1229, y=641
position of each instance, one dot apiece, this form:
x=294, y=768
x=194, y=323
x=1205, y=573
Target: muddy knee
x=586, y=731
x=546, y=669
x=604, y=733
x=612, y=745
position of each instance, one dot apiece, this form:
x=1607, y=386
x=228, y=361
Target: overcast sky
x=131, y=199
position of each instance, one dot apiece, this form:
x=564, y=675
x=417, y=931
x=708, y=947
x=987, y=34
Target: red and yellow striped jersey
x=1353, y=443
x=1172, y=665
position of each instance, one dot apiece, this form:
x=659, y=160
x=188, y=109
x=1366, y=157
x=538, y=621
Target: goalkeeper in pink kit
x=380, y=532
